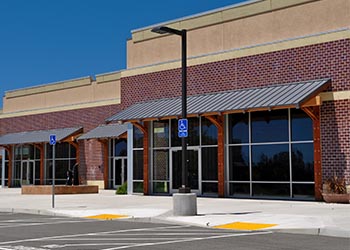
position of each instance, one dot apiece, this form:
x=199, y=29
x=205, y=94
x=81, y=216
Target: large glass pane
x=238, y=128
x=270, y=126
x=161, y=133
x=303, y=162
x=209, y=133
x=210, y=164
x=240, y=189
x=137, y=138
x=270, y=162
x=301, y=126
x=62, y=150
x=193, y=133
x=239, y=163
x=271, y=190
x=18, y=152
x=161, y=165
x=120, y=147
x=138, y=165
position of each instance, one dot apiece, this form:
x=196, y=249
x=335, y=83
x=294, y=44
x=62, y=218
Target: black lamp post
x=183, y=33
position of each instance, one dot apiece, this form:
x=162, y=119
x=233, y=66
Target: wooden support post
x=218, y=121
x=144, y=129
x=314, y=113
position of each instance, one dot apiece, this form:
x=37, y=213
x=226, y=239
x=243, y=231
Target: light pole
x=183, y=33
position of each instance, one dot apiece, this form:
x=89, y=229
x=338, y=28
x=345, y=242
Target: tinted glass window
x=210, y=163
x=138, y=165
x=239, y=163
x=303, y=162
x=209, y=133
x=238, y=128
x=120, y=147
x=301, y=126
x=137, y=138
x=270, y=126
x=270, y=162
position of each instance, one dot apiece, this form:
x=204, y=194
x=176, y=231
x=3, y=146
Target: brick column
x=10, y=165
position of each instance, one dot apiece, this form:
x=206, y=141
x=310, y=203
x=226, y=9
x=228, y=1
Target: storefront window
x=278, y=160
x=270, y=126
x=239, y=162
x=137, y=138
x=301, y=126
x=65, y=159
x=238, y=128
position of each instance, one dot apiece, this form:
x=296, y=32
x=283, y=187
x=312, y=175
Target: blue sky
x=45, y=41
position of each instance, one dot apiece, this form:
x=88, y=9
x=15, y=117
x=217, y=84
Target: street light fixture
x=183, y=33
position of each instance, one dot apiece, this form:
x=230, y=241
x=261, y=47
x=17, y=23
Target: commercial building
x=268, y=107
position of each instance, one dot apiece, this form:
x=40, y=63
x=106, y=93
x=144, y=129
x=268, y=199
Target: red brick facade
x=327, y=60
x=91, y=152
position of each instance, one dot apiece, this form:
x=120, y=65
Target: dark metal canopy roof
x=105, y=131
x=269, y=97
x=38, y=136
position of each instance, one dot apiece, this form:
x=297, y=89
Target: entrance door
x=120, y=171
x=193, y=175
x=28, y=172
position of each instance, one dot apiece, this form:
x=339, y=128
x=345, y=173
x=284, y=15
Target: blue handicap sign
x=183, y=134
x=52, y=139
x=183, y=128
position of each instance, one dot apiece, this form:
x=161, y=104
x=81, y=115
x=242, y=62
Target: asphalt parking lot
x=38, y=232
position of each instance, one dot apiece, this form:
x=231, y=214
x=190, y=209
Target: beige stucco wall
x=71, y=94
x=246, y=25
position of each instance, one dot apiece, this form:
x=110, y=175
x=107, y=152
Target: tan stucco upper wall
x=256, y=23
x=65, y=95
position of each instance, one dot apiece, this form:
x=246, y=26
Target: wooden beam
x=315, y=101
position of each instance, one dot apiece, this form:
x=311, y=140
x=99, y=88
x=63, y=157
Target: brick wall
x=91, y=157
x=335, y=139
x=325, y=60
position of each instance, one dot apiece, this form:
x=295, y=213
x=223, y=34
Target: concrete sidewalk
x=316, y=218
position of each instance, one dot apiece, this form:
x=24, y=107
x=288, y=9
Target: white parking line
x=186, y=240
x=88, y=234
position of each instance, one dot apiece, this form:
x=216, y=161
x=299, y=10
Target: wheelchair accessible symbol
x=182, y=128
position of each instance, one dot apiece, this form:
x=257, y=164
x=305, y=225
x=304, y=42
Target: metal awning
x=292, y=95
x=40, y=136
x=105, y=131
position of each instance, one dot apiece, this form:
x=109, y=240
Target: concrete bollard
x=184, y=204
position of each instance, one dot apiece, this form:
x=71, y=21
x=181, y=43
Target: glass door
x=120, y=171
x=28, y=172
x=193, y=174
